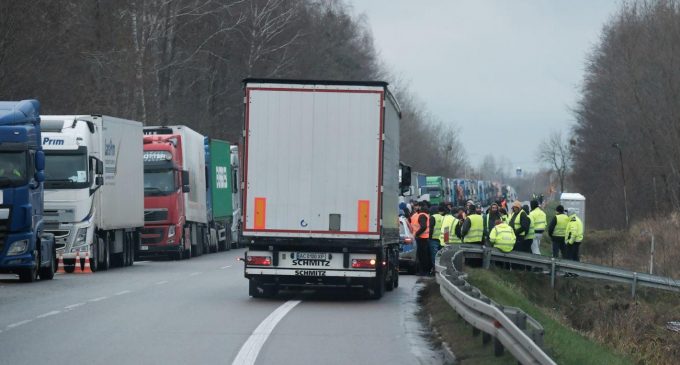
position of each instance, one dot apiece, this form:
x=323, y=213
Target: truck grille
x=155, y=215
x=154, y=235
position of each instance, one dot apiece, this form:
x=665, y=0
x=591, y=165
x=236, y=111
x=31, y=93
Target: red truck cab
x=164, y=188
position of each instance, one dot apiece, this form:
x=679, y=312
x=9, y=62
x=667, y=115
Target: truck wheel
x=106, y=254
x=378, y=287
x=47, y=273
x=389, y=286
x=94, y=259
x=127, y=244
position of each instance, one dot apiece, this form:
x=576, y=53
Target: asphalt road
x=198, y=311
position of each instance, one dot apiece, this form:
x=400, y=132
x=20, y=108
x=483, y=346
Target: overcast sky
x=506, y=72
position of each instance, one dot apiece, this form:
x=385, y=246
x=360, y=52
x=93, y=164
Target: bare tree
x=555, y=152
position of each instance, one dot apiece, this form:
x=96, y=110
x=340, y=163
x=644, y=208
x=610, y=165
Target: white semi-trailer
x=320, y=185
x=94, y=197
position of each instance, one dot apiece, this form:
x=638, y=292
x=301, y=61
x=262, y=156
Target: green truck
x=219, y=192
x=434, y=186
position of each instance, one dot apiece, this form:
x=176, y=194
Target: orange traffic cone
x=87, y=269
x=77, y=270
x=60, y=265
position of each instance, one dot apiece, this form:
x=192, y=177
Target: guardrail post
x=487, y=258
x=552, y=273
x=634, y=285
x=498, y=348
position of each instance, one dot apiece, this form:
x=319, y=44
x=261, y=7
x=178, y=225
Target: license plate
x=144, y=248
x=311, y=256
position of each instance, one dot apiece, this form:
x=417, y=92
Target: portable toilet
x=575, y=203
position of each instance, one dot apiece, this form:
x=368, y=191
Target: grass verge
x=564, y=344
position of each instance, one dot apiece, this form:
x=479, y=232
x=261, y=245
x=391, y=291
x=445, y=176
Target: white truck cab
x=93, y=170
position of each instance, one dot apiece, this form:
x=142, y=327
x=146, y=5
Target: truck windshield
x=159, y=182
x=66, y=169
x=12, y=168
x=434, y=192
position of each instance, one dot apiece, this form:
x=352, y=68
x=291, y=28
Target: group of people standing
x=520, y=230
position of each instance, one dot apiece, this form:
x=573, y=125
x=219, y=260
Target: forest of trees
x=631, y=97
x=182, y=62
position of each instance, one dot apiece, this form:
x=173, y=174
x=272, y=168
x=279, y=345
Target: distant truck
x=235, y=196
x=93, y=188
x=218, y=193
x=25, y=249
x=175, y=212
x=321, y=186
x=434, y=187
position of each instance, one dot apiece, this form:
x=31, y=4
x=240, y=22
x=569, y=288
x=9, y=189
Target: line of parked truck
x=320, y=183
x=439, y=189
x=110, y=189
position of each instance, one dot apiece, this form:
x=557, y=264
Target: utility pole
x=623, y=177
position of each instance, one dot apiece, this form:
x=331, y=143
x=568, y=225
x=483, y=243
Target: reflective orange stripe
x=260, y=213
x=362, y=218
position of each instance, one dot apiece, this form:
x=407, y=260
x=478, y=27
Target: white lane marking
x=73, y=306
x=225, y=267
x=13, y=325
x=48, y=314
x=195, y=273
x=97, y=299
x=162, y=282
x=123, y=292
x=249, y=351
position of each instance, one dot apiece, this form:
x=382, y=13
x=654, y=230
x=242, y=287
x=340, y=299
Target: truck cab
x=164, y=216
x=70, y=181
x=24, y=247
x=87, y=161
x=434, y=186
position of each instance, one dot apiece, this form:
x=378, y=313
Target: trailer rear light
x=259, y=260
x=363, y=263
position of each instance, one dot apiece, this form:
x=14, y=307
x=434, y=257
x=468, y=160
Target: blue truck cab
x=25, y=249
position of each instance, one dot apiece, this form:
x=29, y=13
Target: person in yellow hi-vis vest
x=448, y=231
x=574, y=237
x=538, y=219
x=435, y=242
x=557, y=230
x=502, y=236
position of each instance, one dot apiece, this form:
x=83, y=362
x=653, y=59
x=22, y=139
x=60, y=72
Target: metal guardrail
x=510, y=327
x=557, y=266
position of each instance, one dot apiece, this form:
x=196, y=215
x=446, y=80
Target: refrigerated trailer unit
x=321, y=185
x=94, y=200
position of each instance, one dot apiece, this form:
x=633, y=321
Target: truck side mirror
x=39, y=176
x=406, y=175
x=185, y=182
x=99, y=181
x=99, y=167
x=40, y=162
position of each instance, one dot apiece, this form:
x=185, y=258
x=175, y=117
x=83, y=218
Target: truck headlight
x=171, y=231
x=17, y=248
x=81, y=237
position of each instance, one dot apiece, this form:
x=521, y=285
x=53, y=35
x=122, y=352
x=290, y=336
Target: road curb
x=449, y=357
